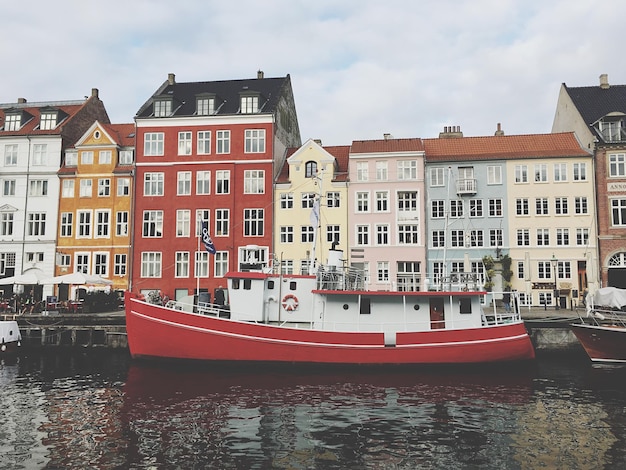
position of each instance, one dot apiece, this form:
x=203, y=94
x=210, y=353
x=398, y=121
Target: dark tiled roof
x=503, y=147
x=227, y=93
x=594, y=102
x=31, y=116
x=387, y=145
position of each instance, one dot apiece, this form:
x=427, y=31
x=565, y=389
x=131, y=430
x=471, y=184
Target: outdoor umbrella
x=30, y=276
x=78, y=279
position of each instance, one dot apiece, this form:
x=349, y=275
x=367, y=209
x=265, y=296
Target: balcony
x=466, y=187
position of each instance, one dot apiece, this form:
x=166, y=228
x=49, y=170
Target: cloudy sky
x=359, y=68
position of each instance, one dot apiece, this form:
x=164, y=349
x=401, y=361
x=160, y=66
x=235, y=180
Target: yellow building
x=310, y=173
x=95, y=205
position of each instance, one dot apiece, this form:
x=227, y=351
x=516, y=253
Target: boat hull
x=602, y=343
x=10, y=337
x=157, y=332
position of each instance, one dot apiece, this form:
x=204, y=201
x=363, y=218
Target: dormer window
x=611, y=127
x=205, y=106
x=310, y=169
x=48, y=120
x=249, y=104
x=162, y=108
x=13, y=122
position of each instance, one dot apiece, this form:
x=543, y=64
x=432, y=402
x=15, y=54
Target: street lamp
x=555, y=262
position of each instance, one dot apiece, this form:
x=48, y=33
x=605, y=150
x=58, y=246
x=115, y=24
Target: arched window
x=310, y=169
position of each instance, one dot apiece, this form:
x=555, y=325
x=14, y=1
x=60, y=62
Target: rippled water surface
x=102, y=410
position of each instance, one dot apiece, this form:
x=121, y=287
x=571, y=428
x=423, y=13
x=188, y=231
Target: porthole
x=345, y=306
x=416, y=307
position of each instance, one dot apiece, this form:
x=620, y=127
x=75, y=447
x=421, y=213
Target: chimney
x=318, y=141
x=604, y=81
x=94, y=92
x=21, y=100
x=171, y=79
x=451, y=132
x=387, y=136
x=260, y=74
x=499, y=130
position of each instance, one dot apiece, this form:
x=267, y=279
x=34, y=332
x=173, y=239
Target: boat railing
x=203, y=308
x=497, y=311
x=604, y=317
x=333, y=278
x=458, y=282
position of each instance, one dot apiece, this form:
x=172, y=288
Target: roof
x=227, y=94
x=31, y=116
x=594, y=102
x=123, y=134
x=504, y=147
x=387, y=145
x=340, y=152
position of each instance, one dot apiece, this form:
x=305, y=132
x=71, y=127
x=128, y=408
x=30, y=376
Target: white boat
x=10, y=337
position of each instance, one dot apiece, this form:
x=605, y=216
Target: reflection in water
x=102, y=411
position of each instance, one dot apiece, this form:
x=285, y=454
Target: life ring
x=290, y=302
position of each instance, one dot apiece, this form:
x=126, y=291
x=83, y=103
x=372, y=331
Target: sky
x=359, y=68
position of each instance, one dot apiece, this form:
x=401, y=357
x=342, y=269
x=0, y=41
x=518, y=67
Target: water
x=102, y=410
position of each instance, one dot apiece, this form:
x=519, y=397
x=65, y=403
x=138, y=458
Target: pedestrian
x=506, y=300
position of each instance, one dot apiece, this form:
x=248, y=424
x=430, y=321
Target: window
x=494, y=174
x=582, y=236
x=119, y=265
x=202, y=216
x=333, y=199
x=438, y=209
x=477, y=238
x=84, y=224
x=204, y=142
x=408, y=234
x=249, y=104
x=153, y=184
x=85, y=188
x=48, y=120
x=12, y=122
x=286, y=234
x=543, y=237
x=205, y=106
x=495, y=207
x=362, y=201
x=222, y=182
x=183, y=223
x=332, y=233
x=221, y=222
x=541, y=206
x=104, y=187
x=286, y=266
x=220, y=264
x=6, y=223
x=361, y=171
x=203, y=182
x=38, y=188
x=64, y=260
x=86, y=158
x=437, y=177
x=82, y=263
x=104, y=157
x=617, y=165
x=8, y=188
x=457, y=238
x=254, y=182
x=36, y=223
x=34, y=256
x=306, y=234
x=151, y=264
x=253, y=222
x=407, y=201
x=126, y=157
x=562, y=236
x=162, y=108
x=382, y=271
x=123, y=186
x=201, y=266
x=580, y=172
x=40, y=154
x=286, y=201
x=618, y=208
x=521, y=173
x=564, y=270
x=382, y=201
x=521, y=206
x=439, y=238
x=560, y=172
x=544, y=270
x=407, y=170
x=184, y=143
x=10, y=155
x=560, y=206
x=381, y=171
x=362, y=234
x=580, y=205
x=71, y=158
x=223, y=141
x=102, y=223
x=382, y=234
x=307, y=200
x=101, y=264
x=475, y=207
x=182, y=264
x=121, y=223
x=520, y=270
x=541, y=173
x=523, y=237
x=456, y=208
x=153, y=144
x=152, y=224
x=254, y=141
x=183, y=183
x=67, y=188
x=310, y=169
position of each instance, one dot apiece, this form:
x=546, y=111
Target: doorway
x=437, y=317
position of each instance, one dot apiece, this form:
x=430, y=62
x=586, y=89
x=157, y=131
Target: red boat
x=329, y=318
x=602, y=333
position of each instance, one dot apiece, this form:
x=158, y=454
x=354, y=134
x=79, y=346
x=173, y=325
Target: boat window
x=247, y=284
x=416, y=307
x=465, y=305
x=270, y=285
x=292, y=285
x=345, y=306
x=235, y=283
x=365, y=306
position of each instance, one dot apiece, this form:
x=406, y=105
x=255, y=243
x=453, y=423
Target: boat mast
x=315, y=219
x=444, y=265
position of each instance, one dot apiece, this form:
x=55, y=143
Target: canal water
x=99, y=409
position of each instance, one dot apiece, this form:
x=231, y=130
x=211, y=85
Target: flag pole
x=195, y=258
